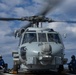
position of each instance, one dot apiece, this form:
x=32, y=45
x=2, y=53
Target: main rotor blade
x=10, y=19
x=63, y=21
x=48, y=6
x=69, y=21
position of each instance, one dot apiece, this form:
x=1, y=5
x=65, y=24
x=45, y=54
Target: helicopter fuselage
x=40, y=48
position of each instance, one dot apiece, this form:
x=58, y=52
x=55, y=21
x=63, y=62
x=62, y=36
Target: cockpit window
x=53, y=38
x=42, y=37
x=30, y=37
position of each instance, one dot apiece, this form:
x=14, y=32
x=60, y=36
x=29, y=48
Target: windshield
x=29, y=37
x=53, y=38
x=42, y=37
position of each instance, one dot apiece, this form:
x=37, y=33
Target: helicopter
x=39, y=48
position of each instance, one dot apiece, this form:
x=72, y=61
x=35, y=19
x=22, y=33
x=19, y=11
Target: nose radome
x=45, y=54
x=46, y=48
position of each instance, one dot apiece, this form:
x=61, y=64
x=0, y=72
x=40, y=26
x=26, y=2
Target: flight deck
x=38, y=73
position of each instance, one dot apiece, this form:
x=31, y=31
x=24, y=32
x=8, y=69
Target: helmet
x=0, y=56
x=73, y=56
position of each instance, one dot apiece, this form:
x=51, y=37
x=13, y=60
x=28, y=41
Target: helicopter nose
x=46, y=49
x=45, y=54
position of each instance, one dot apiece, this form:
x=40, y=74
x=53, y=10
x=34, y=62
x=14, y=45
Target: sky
x=22, y=8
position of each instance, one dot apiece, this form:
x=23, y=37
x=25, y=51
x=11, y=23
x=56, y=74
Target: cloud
x=12, y=2
x=7, y=44
x=65, y=12
x=69, y=29
x=3, y=14
x=3, y=7
x=21, y=12
x=72, y=29
x=22, y=8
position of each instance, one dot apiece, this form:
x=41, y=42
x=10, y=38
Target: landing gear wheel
x=60, y=69
x=15, y=68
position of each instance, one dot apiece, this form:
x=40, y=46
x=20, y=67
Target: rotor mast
x=36, y=21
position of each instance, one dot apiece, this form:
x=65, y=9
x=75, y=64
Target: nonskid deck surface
x=38, y=73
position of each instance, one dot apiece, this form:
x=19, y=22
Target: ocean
x=9, y=60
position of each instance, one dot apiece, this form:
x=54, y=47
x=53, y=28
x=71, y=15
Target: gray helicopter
x=39, y=48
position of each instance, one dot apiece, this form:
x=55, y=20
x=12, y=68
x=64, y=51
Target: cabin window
x=53, y=38
x=42, y=37
x=29, y=37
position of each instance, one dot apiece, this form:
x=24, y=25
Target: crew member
x=2, y=63
x=72, y=64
